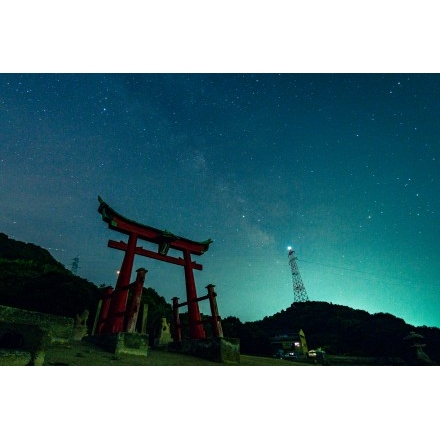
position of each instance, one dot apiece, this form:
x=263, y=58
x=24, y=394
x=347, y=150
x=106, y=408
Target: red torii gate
x=116, y=314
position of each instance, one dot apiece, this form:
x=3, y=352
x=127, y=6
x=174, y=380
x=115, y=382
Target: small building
x=289, y=345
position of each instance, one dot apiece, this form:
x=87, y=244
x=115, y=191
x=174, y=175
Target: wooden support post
x=119, y=302
x=177, y=333
x=133, y=309
x=98, y=312
x=103, y=315
x=144, y=319
x=196, y=330
x=217, y=329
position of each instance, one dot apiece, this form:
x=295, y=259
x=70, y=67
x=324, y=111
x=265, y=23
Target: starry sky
x=345, y=168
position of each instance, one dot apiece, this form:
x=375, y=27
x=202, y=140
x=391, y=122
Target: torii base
x=122, y=343
x=222, y=350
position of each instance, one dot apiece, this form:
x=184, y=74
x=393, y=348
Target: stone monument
x=80, y=326
x=415, y=355
x=164, y=337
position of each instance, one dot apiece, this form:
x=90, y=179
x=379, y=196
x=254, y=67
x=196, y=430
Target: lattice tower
x=75, y=263
x=299, y=291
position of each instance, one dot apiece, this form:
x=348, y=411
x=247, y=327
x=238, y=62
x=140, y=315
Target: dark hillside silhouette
x=337, y=329
x=30, y=278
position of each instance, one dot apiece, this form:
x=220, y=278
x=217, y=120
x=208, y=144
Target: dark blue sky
x=343, y=167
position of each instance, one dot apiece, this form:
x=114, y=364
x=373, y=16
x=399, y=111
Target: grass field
x=87, y=354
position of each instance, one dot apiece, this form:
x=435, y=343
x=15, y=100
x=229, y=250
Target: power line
x=363, y=272
x=337, y=267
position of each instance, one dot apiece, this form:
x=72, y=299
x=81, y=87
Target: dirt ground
x=86, y=354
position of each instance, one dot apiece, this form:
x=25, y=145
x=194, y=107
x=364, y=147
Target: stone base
x=79, y=333
x=122, y=343
x=15, y=358
x=20, y=337
x=59, y=328
x=163, y=341
x=28, y=331
x=223, y=350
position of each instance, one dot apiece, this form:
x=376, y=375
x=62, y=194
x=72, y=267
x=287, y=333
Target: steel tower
x=299, y=291
x=75, y=266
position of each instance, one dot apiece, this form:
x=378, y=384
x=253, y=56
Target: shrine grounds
x=86, y=354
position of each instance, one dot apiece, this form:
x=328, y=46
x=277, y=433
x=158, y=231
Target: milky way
x=343, y=167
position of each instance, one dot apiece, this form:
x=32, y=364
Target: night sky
x=345, y=168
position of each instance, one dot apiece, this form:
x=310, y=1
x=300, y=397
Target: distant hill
x=338, y=329
x=11, y=249
x=31, y=279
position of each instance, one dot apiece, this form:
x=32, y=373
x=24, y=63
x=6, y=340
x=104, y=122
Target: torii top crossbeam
x=165, y=240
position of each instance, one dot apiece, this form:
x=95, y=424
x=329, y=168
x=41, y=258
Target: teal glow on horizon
x=345, y=167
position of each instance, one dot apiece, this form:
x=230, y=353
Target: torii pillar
x=118, y=304
x=165, y=240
